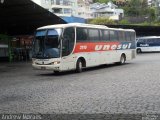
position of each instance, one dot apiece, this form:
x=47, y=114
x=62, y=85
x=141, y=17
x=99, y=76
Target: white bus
x=76, y=46
x=148, y=44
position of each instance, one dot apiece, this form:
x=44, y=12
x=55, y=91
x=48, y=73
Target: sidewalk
x=4, y=65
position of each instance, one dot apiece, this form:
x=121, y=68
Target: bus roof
x=72, y=24
x=81, y=25
x=148, y=37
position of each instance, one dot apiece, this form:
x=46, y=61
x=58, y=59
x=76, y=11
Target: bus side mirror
x=63, y=48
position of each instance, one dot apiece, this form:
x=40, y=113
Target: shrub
x=101, y=21
x=124, y=22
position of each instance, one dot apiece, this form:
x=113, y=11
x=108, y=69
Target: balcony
x=60, y=6
x=62, y=11
x=62, y=3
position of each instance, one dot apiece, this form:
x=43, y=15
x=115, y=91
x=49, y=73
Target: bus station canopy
x=18, y=17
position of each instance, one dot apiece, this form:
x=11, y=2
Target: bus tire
x=79, y=66
x=122, y=59
x=139, y=50
x=56, y=72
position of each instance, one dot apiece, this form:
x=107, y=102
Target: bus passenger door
x=67, y=48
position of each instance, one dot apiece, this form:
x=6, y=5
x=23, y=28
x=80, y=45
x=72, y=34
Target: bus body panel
x=92, y=59
x=149, y=49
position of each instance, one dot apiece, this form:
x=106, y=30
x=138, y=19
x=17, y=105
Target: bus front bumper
x=47, y=67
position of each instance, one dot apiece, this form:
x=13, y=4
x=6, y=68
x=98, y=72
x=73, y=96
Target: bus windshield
x=47, y=44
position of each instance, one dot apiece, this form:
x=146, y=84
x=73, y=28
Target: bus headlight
x=55, y=62
x=33, y=61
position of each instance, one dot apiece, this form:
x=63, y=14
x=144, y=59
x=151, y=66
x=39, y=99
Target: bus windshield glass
x=47, y=44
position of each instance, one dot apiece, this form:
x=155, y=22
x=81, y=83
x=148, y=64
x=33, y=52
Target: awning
x=19, y=17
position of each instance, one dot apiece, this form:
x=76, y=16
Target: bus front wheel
x=56, y=72
x=139, y=50
x=79, y=66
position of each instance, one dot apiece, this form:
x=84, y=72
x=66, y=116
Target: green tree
x=152, y=14
x=124, y=22
x=104, y=21
x=144, y=7
x=134, y=7
x=144, y=4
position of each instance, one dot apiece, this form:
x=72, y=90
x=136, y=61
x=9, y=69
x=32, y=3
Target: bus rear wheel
x=122, y=60
x=79, y=66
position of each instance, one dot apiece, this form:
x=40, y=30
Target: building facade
x=109, y=10
x=69, y=10
x=121, y=2
x=83, y=9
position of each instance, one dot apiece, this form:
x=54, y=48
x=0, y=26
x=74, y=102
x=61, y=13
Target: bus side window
x=93, y=35
x=158, y=41
x=128, y=36
x=101, y=35
x=68, y=41
x=113, y=35
x=149, y=41
x=132, y=36
x=81, y=34
x=121, y=35
x=141, y=41
x=105, y=35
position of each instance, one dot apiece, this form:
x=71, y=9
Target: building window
x=58, y=2
x=46, y=1
x=67, y=11
x=57, y=10
x=52, y=2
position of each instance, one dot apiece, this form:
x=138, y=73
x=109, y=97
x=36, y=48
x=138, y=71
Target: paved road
x=132, y=88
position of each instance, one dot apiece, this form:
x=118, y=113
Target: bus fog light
x=56, y=62
x=56, y=67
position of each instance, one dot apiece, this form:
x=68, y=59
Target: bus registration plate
x=43, y=68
